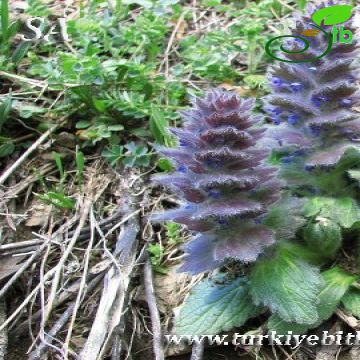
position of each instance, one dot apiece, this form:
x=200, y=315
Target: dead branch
x=3, y=333
x=67, y=294
x=348, y=319
x=154, y=312
x=60, y=323
x=111, y=307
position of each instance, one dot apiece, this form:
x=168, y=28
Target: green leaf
x=343, y=210
x=83, y=124
x=275, y=323
x=158, y=127
x=59, y=165
x=324, y=237
x=114, y=154
x=213, y=307
x=351, y=301
x=285, y=217
x=20, y=52
x=6, y=149
x=4, y=20
x=5, y=108
x=165, y=165
x=57, y=199
x=137, y=155
x=12, y=29
x=302, y=4
x=336, y=284
x=80, y=164
x=27, y=111
x=288, y=286
x=332, y=15
x=304, y=252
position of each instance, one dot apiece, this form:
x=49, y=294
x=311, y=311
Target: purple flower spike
x=322, y=92
x=227, y=185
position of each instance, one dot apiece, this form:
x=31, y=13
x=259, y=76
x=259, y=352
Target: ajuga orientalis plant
x=230, y=191
x=225, y=186
x=311, y=102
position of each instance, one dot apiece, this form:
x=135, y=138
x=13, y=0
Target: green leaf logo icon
x=332, y=15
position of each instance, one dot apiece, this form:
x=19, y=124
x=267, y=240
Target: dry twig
x=111, y=307
x=154, y=312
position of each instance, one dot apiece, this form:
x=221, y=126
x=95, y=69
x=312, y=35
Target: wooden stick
x=63, y=319
x=154, y=312
x=4, y=332
x=109, y=314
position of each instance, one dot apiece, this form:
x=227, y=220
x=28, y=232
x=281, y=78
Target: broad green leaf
x=304, y=252
x=332, y=15
x=213, y=307
x=275, y=323
x=336, y=284
x=323, y=237
x=285, y=217
x=343, y=210
x=288, y=286
x=351, y=301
